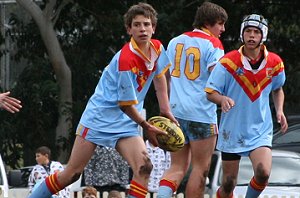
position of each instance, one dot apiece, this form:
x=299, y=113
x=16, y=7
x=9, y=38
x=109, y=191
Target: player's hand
x=8, y=103
x=170, y=116
x=152, y=132
x=226, y=104
x=281, y=119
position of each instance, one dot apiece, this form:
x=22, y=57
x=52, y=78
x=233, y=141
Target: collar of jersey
x=139, y=52
x=246, y=63
x=204, y=30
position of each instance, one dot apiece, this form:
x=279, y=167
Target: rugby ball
x=174, y=139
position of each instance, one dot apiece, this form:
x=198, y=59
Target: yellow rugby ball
x=174, y=139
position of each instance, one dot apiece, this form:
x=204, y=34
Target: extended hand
x=152, y=132
x=8, y=103
x=170, y=116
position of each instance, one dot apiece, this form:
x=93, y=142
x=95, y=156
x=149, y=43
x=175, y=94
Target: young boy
x=161, y=161
x=45, y=166
x=193, y=55
x=241, y=84
x=111, y=117
x=89, y=192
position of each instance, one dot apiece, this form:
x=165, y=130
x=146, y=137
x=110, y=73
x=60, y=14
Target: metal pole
x=2, y=47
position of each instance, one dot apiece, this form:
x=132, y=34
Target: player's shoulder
x=56, y=163
x=216, y=42
x=124, y=57
x=274, y=57
x=156, y=43
x=230, y=57
x=37, y=167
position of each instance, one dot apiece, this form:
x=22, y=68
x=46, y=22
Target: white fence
x=105, y=194
x=22, y=193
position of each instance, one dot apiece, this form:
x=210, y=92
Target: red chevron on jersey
x=134, y=61
x=252, y=83
x=215, y=41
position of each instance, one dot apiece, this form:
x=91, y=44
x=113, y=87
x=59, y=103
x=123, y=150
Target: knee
x=203, y=178
x=199, y=175
x=146, y=167
x=71, y=175
x=75, y=177
x=262, y=174
x=229, y=184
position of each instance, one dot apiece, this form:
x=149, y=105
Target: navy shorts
x=197, y=130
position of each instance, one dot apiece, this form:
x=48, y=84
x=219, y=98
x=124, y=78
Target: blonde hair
x=89, y=190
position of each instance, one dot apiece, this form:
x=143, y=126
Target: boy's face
x=217, y=29
x=41, y=159
x=252, y=37
x=141, y=29
x=88, y=195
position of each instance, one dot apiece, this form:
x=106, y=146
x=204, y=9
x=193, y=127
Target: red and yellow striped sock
x=256, y=186
x=171, y=184
x=137, y=190
x=52, y=183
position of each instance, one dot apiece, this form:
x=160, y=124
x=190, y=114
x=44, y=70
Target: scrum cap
x=258, y=21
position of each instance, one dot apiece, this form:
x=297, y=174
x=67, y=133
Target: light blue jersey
x=125, y=81
x=191, y=54
x=248, y=125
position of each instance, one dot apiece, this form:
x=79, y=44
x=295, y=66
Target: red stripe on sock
x=52, y=183
x=169, y=183
x=137, y=190
x=49, y=185
x=256, y=186
x=55, y=177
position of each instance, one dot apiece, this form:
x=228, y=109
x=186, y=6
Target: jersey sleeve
x=126, y=89
x=279, y=77
x=216, y=80
x=163, y=63
x=213, y=56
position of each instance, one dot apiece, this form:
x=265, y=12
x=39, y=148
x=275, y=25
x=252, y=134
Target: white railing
x=105, y=194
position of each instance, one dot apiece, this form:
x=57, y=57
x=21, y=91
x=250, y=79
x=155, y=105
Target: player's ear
x=128, y=29
x=154, y=27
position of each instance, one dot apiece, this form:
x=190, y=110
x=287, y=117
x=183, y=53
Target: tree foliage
x=91, y=32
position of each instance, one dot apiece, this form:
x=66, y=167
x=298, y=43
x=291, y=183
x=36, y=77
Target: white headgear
x=258, y=21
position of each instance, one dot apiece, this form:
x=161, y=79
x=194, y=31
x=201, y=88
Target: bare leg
x=230, y=173
x=81, y=153
x=134, y=151
x=180, y=162
x=201, y=151
x=261, y=159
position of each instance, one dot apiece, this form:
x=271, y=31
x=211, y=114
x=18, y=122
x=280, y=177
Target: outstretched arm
x=278, y=98
x=8, y=103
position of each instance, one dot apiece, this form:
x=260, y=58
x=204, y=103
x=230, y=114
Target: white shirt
x=161, y=161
